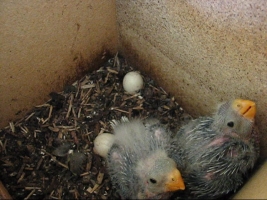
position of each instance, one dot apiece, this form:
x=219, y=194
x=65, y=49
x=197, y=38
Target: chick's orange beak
x=246, y=108
x=174, y=181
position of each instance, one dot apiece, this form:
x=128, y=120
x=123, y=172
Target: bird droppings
x=48, y=154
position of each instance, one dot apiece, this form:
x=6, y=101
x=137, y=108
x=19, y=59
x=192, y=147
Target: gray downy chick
x=138, y=164
x=215, y=153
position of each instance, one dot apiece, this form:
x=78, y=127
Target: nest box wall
x=203, y=52
x=46, y=44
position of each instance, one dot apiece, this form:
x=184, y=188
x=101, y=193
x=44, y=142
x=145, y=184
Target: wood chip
x=87, y=86
x=100, y=177
x=91, y=190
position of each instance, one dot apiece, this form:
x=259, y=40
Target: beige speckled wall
x=45, y=44
x=202, y=51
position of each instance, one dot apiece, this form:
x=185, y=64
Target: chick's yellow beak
x=174, y=181
x=246, y=108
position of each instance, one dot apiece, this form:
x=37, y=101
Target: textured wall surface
x=201, y=51
x=45, y=44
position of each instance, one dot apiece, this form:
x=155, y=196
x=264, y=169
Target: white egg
x=132, y=82
x=103, y=143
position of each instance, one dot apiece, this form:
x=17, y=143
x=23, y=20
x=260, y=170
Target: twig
x=70, y=106
x=29, y=116
x=32, y=188
x=21, y=177
x=39, y=163
x=29, y=195
x=49, y=114
x=12, y=127
x=43, y=105
x=88, y=86
x=130, y=97
x=112, y=71
x=54, y=159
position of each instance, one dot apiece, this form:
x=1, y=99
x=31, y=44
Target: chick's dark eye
x=230, y=124
x=152, y=180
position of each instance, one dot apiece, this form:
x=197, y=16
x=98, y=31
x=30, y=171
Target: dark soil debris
x=49, y=153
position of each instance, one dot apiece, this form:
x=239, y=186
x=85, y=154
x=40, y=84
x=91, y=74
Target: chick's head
x=159, y=174
x=235, y=118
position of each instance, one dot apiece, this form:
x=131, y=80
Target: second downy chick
x=138, y=161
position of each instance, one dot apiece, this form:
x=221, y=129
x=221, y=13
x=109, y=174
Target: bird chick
x=138, y=161
x=215, y=153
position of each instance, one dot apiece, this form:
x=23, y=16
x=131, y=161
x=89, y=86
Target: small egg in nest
x=133, y=82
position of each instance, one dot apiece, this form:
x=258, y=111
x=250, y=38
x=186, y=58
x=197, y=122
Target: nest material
x=48, y=154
